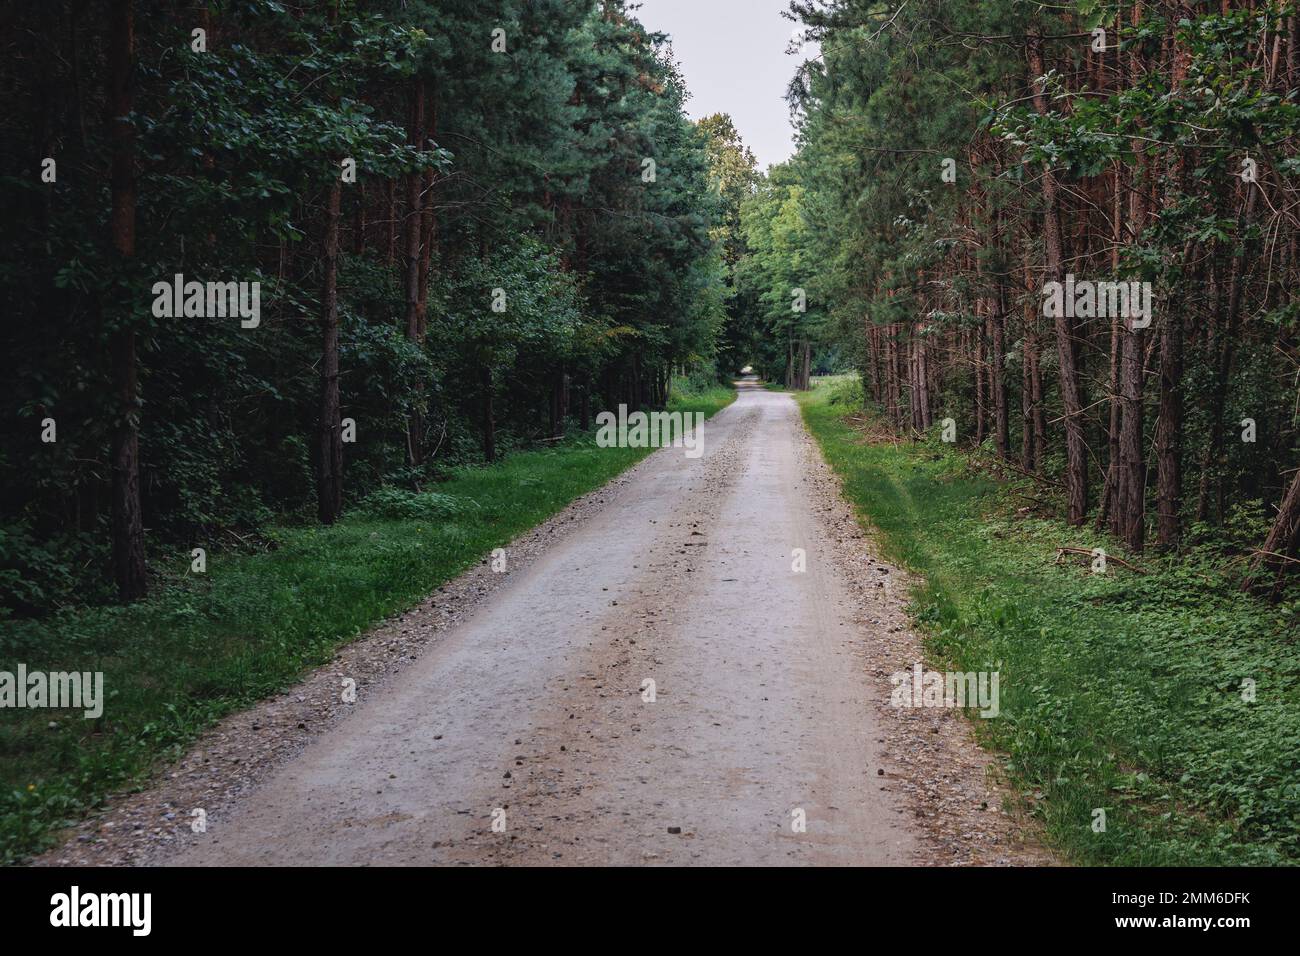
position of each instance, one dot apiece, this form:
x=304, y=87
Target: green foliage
x=398, y=504
x=780, y=245
x=1118, y=690
x=915, y=211
x=528, y=168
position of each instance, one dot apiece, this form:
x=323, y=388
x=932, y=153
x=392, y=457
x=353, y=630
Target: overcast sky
x=732, y=53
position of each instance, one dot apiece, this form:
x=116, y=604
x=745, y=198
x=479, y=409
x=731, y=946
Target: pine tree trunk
x=1169, y=434
x=1026, y=410
x=1169, y=425
x=411, y=223
x=1281, y=541
x=896, y=373
x=887, y=369
x=1040, y=410
x=923, y=381
x=1036, y=417
x=1226, y=341
x=428, y=216
x=390, y=221
x=1107, y=510
x=874, y=360
x=329, y=496
x=359, y=222
x=557, y=405
x=914, y=378
x=997, y=377
x=1130, y=502
x=489, y=417
x=1076, y=451
x=412, y=218
x=981, y=399
x=127, y=517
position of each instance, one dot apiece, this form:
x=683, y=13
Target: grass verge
x=205, y=645
x=1121, y=692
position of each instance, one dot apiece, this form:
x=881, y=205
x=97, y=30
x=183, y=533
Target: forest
x=580, y=242
x=315, y=310
x=960, y=165
x=466, y=226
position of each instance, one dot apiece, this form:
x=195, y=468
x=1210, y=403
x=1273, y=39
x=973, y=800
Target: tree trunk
x=359, y=222
x=1169, y=433
x=412, y=219
x=874, y=360
x=489, y=417
x=390, y=221
x=1169, y=425
x=1130, y=501
x=127, y=518
x=997, y=376
x=1223, y=354
x=1036, y=416
x=553, y=409
x=981, y=399
x=892, y=398
x=411, y=223
x=1026, y=409
x=428, y=216
x=329, y=496
x=923, y=381
x=914, y=378
x=1107, y=510
x=1281, y=541
x=1076, y=451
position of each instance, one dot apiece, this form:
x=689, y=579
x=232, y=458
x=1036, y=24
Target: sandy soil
x=521, y=698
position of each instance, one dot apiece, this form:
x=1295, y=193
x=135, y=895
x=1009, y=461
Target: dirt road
x=521, y=699
x=535, y=706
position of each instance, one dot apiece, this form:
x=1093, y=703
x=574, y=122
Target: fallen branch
x=978, y=459
x=1109, y=557
x=1038, y=501
x=1274, y=554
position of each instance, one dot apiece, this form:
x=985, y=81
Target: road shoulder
x=962, y=815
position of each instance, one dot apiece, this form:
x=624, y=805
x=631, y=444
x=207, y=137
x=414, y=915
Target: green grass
x=209, y=644
x=1118, y=691
x=815, y=381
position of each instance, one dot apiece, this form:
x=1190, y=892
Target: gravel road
x=536, y=706
x=508, y=719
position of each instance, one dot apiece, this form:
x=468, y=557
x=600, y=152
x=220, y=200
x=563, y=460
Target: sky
x=732, y=54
